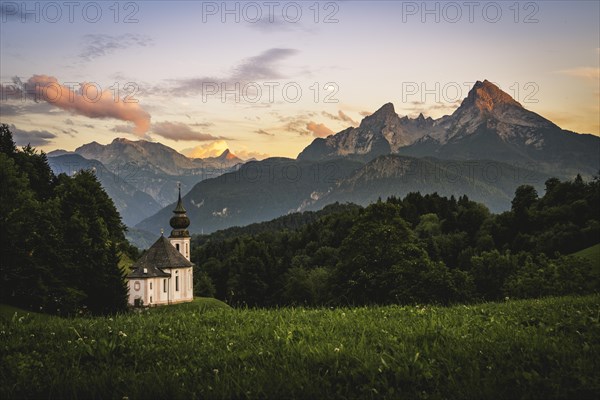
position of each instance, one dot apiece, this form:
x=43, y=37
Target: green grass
x=548, y=348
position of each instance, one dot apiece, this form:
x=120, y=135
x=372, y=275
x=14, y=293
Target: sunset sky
x=292, y=71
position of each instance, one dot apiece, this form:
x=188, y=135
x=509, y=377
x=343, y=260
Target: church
x=164, y=274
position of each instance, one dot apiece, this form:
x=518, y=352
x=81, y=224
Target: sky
x=266, y=78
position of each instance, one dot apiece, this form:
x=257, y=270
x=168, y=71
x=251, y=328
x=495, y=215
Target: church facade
x=164, y=274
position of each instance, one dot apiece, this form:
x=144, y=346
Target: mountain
x=156, y=169
x=58, y=152
x=485, y=149
x=258, y=191
x=133, y=204
x=489, y=124
x=489, y=182
x=382, y=132
x=264, y=190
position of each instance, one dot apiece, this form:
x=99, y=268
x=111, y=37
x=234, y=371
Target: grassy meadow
x=547, y=348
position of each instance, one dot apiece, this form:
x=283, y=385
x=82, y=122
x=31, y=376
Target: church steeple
x=180, y=221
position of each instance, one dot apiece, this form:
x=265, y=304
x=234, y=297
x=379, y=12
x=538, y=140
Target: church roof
x=160, y=256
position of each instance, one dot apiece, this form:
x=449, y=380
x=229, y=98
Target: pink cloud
x=89, y=101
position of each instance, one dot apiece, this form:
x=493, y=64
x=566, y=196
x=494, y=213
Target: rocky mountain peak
x=385, y=110
x=383, y=116
x=486, y=96
x=227, y=155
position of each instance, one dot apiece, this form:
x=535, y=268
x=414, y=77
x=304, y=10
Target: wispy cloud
x=318, y=130
x=35, y=138
x=263, y=67
x=248, y=155
x=341, y=116
x=99, y=45
x=263, y=132
x=180, y=131
x=417, y=107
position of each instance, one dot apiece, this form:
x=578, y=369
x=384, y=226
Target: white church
x=164, y=274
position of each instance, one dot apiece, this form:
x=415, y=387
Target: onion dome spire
x=180, y=221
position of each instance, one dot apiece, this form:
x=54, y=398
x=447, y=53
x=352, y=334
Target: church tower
x=180, y=236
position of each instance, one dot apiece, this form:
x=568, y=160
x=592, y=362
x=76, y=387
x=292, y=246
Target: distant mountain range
x=258, y=191
x=487, y=148
x=140, y=176
x=489, y=124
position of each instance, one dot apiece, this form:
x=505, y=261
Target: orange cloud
x=248, y=155
x=89, y=101
x=212, y=149
x=318, y=130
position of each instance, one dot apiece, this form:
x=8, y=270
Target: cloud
x=296, y=126
x=365, y=113
x=588, y=73
x=180, y=131
x=248, y=155
x=340, y=117
x=202, y=124
x=418, y=107
x=123, y=129
x=35, y=138
x=212, y=149
x=271, y=23
x=263, y=132
x=68, y=121
x=262, y=67
x=86, y=101
x=318, y=130
x=98, y=45
x=9, y=109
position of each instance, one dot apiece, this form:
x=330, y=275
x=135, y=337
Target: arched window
x=177, y=246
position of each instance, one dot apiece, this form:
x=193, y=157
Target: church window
x=150, y=285
x=177, y=246
x=177, y=283
x=165, y=285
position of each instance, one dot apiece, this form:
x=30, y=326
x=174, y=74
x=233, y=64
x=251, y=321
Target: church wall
x=136, y=290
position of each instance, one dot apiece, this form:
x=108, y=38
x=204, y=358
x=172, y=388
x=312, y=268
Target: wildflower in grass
x=121, y=333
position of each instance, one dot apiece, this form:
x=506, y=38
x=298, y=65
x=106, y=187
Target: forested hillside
x=61, y=237
x=419, y=249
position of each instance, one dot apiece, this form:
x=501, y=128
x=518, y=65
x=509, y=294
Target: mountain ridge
x=489, y=123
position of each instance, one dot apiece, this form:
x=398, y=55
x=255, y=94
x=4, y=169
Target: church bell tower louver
x=180, y=236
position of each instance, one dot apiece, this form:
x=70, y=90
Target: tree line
x=61, y=237
x=419, y=249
